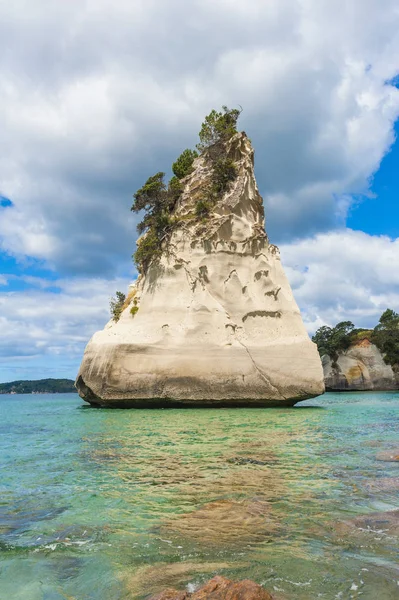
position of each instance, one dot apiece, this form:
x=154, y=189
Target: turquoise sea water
x=112, y=504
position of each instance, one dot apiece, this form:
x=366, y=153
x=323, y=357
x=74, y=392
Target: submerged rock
x=360, y=367
x=383, y=484
x=213, y=321
x=219, y=588
x=225, y=523
x=389, y=455
x=376, y=525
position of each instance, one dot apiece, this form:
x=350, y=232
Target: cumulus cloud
x=53, y=322
x=95, y=96
x=343, y=275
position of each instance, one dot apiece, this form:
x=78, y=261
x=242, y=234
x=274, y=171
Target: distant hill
x=40, y=386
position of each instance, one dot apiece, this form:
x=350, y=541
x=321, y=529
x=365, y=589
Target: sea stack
x=213, y=321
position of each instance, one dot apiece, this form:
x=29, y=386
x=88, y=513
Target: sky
x=95, y=96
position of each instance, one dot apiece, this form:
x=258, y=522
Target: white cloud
x=343, y=275
x=95, y=96
x=53, y=324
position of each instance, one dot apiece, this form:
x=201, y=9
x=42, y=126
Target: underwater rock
x=219, y=588
x=389, y=455
x=375, y=524
x=225, y=523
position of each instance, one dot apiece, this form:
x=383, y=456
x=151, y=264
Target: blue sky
x=97, y=96
x=379, y=215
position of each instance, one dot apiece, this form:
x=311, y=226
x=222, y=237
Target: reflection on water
x=121, y=504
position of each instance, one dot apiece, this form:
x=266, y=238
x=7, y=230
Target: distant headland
x=40, y=386
x=360, y=359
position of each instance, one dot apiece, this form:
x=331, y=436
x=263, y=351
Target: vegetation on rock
x=333, y=340
x=218, y=127
x=158, y=200
x=386, y=336
x=134, y=308
x=183, y=166
x=202, y=208
x=116, y=305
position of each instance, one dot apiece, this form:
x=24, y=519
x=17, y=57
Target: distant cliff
x=360, y=359
x=360, y=367
x=40, y=386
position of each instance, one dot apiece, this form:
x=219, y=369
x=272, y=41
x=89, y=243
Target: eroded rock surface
x=361, y=367
x=217, y=324
x=219, y=588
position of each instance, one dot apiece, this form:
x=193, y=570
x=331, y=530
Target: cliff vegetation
x=156, y=199
x=332, y=341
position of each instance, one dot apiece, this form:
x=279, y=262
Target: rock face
x=217, y=324
x=219, y=588
x=361, y=367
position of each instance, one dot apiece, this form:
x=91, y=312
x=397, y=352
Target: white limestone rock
x=217, y=324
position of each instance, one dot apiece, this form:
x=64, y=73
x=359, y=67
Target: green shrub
x=175, y=189
x=158, y=200
x=386, y=336
x=116, y=305
x=360, y=334
x=202, y=208
x=224, y=172
x=183, y=166
x=332, y=340
x=148, y=248
x=134, y=310
x=218, y=127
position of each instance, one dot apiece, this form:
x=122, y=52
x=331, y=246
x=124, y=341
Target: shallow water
x=111, y=504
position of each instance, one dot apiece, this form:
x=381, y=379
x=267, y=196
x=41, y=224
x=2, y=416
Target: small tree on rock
x=183, y=166
x=116, y=305
x=218, y=127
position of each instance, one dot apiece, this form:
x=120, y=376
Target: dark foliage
x=158, y=200
x=41, y=386
x=218, y=127
x=332, y=340
x=183, y=166
x=224, y=172
x=202, y=208
x=386, y=336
